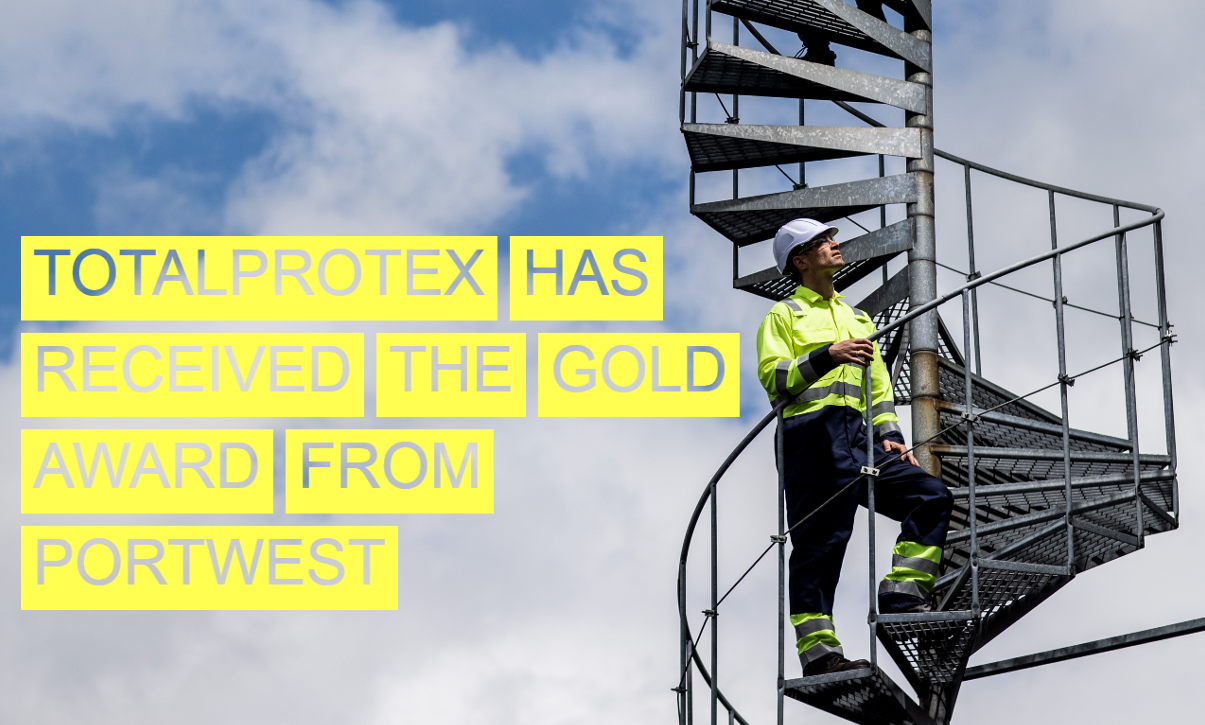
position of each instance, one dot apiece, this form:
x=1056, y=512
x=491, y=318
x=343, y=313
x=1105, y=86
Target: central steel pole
x=922, y=272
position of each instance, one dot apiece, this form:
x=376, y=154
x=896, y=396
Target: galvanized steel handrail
x=971, y=342
x=689, y=653
x=1043, y=185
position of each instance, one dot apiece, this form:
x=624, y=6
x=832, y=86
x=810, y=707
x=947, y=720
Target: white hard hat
x=793, y=234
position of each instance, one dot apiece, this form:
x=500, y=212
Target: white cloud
x=560, y=606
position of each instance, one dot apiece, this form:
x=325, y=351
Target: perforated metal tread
x=803, y=15
x=935, y=648
x=712, y=152
x=752, y=219
x=1020, y=497
x=724, y=68
x=867, y=697
x=719, y=72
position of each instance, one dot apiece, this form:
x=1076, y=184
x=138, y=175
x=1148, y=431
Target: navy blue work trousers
x=824, y=451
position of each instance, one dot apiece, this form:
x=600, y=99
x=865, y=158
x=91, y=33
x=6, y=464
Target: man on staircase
x=812, y=346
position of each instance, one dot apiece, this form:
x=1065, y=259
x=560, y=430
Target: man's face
x=824, y=257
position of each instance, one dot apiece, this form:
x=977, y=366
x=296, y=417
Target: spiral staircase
x=1036, y=501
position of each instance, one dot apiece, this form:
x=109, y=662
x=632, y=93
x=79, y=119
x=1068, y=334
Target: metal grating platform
x=714, y=152
x=867, y=697
x=720, y=72
x=936, y=650
x=812, y=16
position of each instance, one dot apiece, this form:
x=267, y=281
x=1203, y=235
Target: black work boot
x=897, y=603
x=833, y=663
x=873, y=8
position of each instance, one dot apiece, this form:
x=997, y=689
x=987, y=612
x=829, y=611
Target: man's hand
x=858, y=352
x=893, y=447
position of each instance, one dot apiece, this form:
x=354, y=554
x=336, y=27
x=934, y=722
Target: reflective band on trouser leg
x=913, y=569
x=816, y=636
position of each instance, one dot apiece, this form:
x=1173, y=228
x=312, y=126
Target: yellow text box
x=639, y=375
x=389, y=471
x=586, y=278
x=259, y=278
x=166, y=374
x=452, y=374
x=209, y=567
x=146, y=471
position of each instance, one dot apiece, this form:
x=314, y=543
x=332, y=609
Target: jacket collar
x=812, y=297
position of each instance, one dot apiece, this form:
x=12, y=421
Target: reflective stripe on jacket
x=792, y=357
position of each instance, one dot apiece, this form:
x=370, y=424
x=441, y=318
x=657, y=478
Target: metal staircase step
x=1052, y=439
x=1104, y=529
x=756, y=218
x=1048, y=454
x=863, y=255
x=724, y=68
x=931, y=647
x=725, y=146
x=834, y=20
x=1001, y=465
x=867, y=697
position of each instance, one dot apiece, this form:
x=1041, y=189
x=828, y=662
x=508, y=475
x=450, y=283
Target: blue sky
x=293, y=116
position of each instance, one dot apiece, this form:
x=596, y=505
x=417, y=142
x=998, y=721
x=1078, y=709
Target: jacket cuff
x=820, y=362
x=889, y=431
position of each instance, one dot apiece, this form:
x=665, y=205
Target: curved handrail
x=1043, y=185
x=1156, y=216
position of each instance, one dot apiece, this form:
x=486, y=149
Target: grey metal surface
x=889, y=294
x=725, y=68
x=723, y=146
x=863, y=255
x=835, y=21
x=1109, y=644
x=889, y=240
x=1017, y=421
x=1036, y=501
x=867, y=697
x=756, y=218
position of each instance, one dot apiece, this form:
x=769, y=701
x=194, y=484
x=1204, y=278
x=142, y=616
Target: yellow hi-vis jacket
x=792, y=356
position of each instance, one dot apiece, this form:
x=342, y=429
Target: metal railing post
x=1064, y=383
x=782, y=562
x=871, y=475
x=690, y=702
x=736, y=108
x=713, y=613
x=684, y=664
x=1127, y=349
x=969, y=415
x=686, y=39
x=1165, y=357
x=883, y=213
x=803, y=171
x=694, y=97
x=972, y=272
